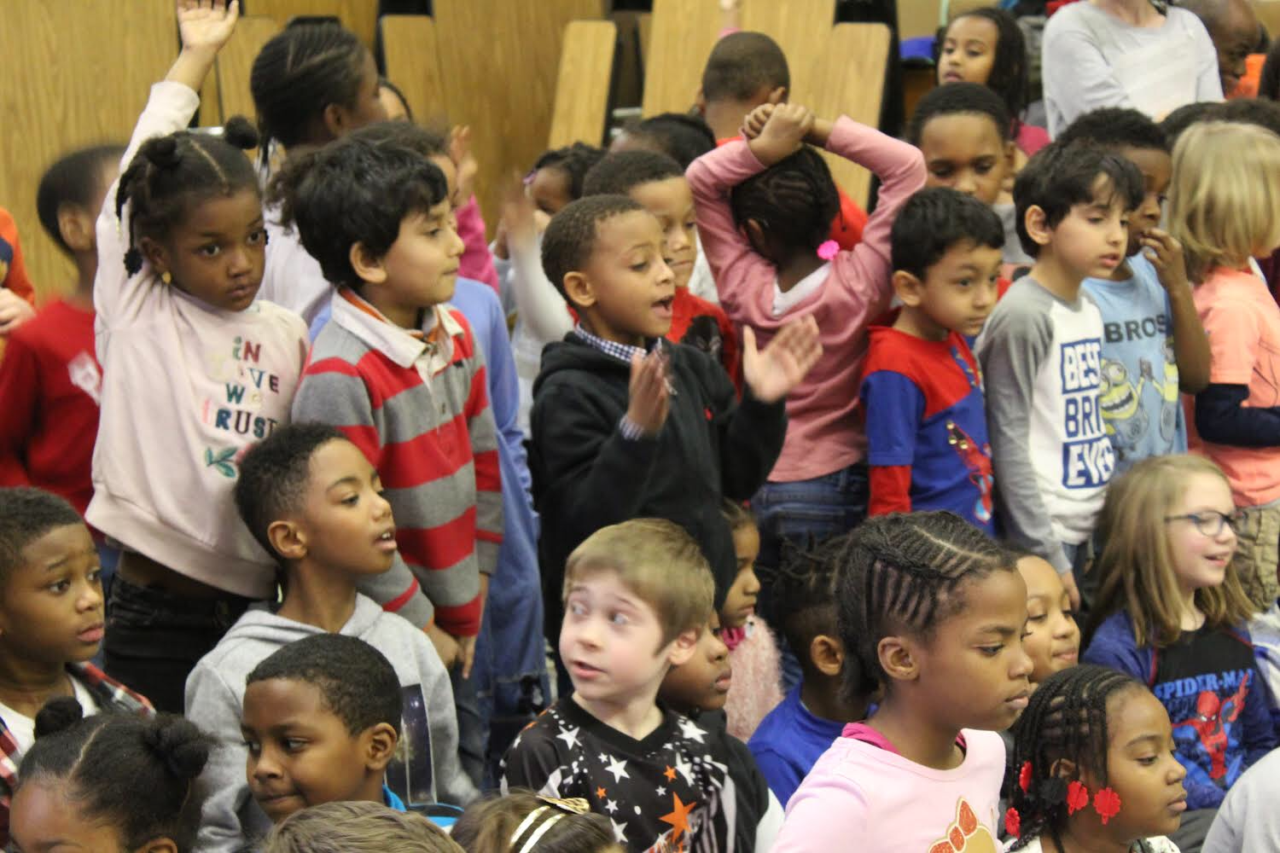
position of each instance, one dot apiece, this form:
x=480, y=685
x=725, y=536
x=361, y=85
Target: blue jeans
x=797, y=515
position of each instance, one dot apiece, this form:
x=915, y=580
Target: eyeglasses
x=1210, y=522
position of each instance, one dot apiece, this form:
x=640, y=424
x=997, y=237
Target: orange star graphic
x=600, y=793
x=679, y=817
x=670, y=774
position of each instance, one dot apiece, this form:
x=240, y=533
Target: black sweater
x=586, y=475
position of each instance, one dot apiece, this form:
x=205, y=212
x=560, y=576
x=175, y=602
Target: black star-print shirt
x=667, y=792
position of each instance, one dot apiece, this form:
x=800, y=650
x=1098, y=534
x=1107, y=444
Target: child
x=921, y=390
x=962, y=131
x=1153, y=345
x=17, y=294
x=357, y=827
x=1171, y=612
x=50, y=380
x=181, y=336
x=315, y=502
x=1236, y=827
x=311, y=84
x=934, y=610
x=986, y=46
x=558, y=175
x=796, y=733
x=623, y=426
x=523, y=822
x=1052, y=637
x=51, y=609
x=1040, y=353
x=763, y=209
x=657, y=182
x=753, y=651
x=109, y=783
x=1094, y=734
x=321, y=723
x=1233, y=420
x=637, y=596
x=380, y=221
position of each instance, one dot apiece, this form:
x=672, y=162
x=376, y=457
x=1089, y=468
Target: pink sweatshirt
x=844, y=296
x=476, y=262
x=860, y=792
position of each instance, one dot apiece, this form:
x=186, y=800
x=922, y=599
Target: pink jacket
x=756, y=688
x=824, y=434
x=476, y=263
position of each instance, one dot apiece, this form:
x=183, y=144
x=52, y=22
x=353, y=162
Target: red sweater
x=50, y=383
x=720, y=341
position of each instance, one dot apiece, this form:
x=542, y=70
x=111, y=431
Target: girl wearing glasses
x=1171, y=612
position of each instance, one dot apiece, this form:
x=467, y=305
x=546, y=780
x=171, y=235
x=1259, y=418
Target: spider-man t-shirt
x=1205, y=680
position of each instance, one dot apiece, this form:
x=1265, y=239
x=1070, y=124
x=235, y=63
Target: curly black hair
x=27, y=514
x=570, y=237
x=794, y=200
x=680, y=136
x=574, y=161
x=1116, y=127
x=75, y=179
x=935, y=219
x=741, y=65
x=617, y=173
x=960, y=99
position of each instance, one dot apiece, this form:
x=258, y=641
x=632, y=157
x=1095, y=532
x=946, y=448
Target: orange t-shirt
x=13, y=272
x=1248, y=85
x=1243, y=322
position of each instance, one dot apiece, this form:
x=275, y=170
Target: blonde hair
x=1136, y=565
x=659, y=562
x=357, y=827
x=523, y=820
x=1225, y=195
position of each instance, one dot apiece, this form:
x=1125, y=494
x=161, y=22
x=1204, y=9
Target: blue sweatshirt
x=787, y=743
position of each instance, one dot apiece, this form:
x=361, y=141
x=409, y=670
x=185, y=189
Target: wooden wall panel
x=359, y=16
x=79, y=74
x=235, y=64
x=413, y=63
x=800, y=27
x=582, y=86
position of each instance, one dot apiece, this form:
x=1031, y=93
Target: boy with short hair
x=658, y=183
x=1041, y=353
x=637, y=597
x=50, y=379
x=51, y=604
x=311, y=498
x=921, y=388
x=793, y=736
x=321, y=724
x=1153, y=343
x=379, y=220
x=626, y=426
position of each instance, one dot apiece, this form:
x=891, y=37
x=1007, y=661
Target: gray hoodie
x=215, y=694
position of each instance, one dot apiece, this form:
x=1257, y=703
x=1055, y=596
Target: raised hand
x=783, y=133
x=650, y=393
x=756, y=120
x=207, y=24
x=464, y=161
x=783, y=364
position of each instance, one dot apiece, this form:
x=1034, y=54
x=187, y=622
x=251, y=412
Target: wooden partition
x=1268, y=12
x=499, y=61
x=413, y=63
x=235, y=64
x=79, y=74
x=954, y=8
x=918, y=18
x=359, y=16
x=583, y=84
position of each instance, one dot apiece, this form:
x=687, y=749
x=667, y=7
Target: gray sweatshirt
x=215, y=695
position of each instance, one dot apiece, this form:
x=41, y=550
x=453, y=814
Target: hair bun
x=177, y=742
x=58, y=714
x=241, y=133
x=163, y=152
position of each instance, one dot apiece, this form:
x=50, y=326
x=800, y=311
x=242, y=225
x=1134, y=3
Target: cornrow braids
x=794, y=200
x=906, y=572
x=575, y=161
x=806, y=587
x=170, y=173
x=1066, y=718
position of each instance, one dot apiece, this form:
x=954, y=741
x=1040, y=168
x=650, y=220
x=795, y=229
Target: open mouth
x=387, y=541
x=663, y=306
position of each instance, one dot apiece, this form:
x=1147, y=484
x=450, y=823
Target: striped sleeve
x=483, y=432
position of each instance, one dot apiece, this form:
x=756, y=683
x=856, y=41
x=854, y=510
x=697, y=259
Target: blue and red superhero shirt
x=926, y=427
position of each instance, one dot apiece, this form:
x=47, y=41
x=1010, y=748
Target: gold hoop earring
x=166, y=278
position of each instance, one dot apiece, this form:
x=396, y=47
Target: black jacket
x=587, y=476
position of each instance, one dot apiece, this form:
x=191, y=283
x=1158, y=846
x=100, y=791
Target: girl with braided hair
x=1093, y=767
x=194, y=370
x=933, y=611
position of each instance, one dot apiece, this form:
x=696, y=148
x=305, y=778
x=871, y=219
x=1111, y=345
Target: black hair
x=1186, y=115
x=170, y=173
x=1061, y=176
x=906, y=573
x=299, y=73
x=960, y=99
x=403, y=134
x=794, y=200
x=680, y=136
x=1009, y=69
x=806, y=590
x=384, y=83
x=354, y=190
x=74, y=178
x=1116, y=127
x=617, y=173
x=358, y=684
x=1065, y=719
x=570, y=237
x=574, y=160
x=741, y=65
x=274, y=475
x=738, y=516
x=1258, y=112
x=1269, y=79
x=935, y=219
x=27, y=514
x=137, y=774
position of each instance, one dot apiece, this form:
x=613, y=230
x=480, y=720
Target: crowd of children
x=951, y=527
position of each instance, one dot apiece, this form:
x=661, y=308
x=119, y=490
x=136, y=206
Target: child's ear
x=757, y=237
x=288, y=541
x=367, y=265
x=827, y=654
x=908, y=288
x=700, y=102
x=75, y=225
x=381, y=746
x=578, y=290
x=1037, y=224
x=155, y=255
x=683, y=647
x=158, y=845
x=337, y=120
x=898, y=658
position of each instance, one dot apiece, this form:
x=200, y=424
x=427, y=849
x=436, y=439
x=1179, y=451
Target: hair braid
x=795, y=200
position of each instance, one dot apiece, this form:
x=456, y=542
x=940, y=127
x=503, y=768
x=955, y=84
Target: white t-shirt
x=23, y=728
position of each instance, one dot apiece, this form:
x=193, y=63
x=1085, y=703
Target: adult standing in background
x=1125, y=53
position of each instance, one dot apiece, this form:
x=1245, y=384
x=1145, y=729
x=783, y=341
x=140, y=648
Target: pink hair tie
x=828, y=250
